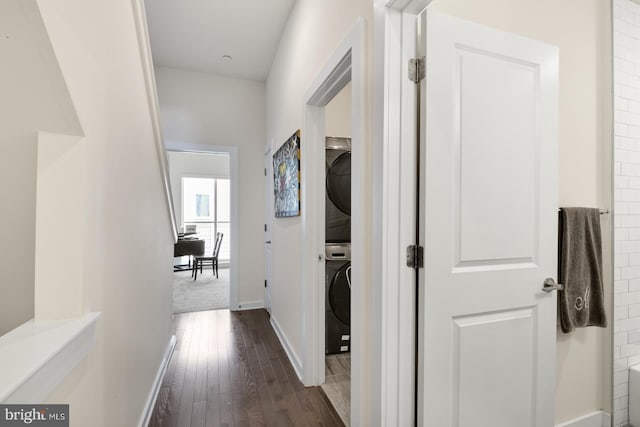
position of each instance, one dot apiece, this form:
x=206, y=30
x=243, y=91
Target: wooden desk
x=187, y=247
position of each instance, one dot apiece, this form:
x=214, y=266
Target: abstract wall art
x=286, y=177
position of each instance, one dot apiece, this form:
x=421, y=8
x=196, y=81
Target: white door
x=489, y=192
x=268, y=218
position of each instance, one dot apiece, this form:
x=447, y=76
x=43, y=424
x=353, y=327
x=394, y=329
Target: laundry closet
x=337, y=217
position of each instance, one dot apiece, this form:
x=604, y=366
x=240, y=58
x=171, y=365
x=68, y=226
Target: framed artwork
x=286, y=177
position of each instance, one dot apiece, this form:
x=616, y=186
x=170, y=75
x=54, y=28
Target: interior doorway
x=203, y=193
x=337, y=338
x=345, y=66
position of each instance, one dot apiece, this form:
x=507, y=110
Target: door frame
x=395, y=141
x=232, y=152
x=382, y=384
x=268, y=221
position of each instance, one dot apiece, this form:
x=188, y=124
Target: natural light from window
x=206, y=204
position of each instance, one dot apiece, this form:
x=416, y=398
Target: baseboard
x=151, y=400
x=293, y=358
x=249, y=305
x=594, y=419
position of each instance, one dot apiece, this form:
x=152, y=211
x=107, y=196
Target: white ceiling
x=196, y=34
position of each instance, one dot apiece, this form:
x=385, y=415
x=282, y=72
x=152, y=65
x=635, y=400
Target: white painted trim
x=38, y=355
x=155, y=389
x=187, y=147
x=394, y=174
x=594, y=419
x=412, y=7
x=144, y=47
x=349, y=55
x=312, y=151
x=190, y=147
x=288, y=349
x=204, y=175
x=268, y=220
x=248, y=305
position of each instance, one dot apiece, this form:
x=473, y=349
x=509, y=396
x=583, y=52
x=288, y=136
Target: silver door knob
x=550, y=285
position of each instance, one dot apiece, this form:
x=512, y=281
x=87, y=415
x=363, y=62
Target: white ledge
x=39, y=354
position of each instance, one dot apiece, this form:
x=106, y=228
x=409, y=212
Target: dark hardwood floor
x=229, y=369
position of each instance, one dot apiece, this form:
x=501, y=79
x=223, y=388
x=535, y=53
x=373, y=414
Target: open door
x=488, y=224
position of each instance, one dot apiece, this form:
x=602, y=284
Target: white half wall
x=127, y=235
x=206, y=109
x=582, y=31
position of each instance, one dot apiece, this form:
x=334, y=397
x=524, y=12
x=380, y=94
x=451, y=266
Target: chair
x=200, y=260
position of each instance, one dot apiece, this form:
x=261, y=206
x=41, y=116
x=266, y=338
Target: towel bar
x=602, y=211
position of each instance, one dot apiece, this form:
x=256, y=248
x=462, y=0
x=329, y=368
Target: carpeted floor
x=206, y=293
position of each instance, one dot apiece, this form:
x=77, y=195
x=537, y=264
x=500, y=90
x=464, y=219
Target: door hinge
x=415, y=256
x=265, y=227
x=265, y=283
x=265, y=171
x=416, y=69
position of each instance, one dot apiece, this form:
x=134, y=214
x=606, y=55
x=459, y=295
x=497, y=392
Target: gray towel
x=581, y=303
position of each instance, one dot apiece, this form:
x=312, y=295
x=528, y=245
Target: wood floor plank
x=334, y=366
x=289, y=388
x=324, y=406
x=229, y=369
x=182, y=355
x=199, y=413
x=226, y=410
x=246, y=406
x=274, y=388
x=213, y=375
x=188, y=389
x=200, y=389
x=251, y=338
x=226, y=401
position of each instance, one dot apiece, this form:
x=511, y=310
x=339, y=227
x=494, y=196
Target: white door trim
x=394, y=199
x=233, y=173
x=268, y=221
x=346, y=64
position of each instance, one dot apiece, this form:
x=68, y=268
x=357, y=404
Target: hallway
x=229, y=369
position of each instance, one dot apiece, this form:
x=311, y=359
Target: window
x=206, y=204
x=202, y=205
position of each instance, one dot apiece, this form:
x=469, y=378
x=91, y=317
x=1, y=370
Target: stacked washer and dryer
x=338, y=246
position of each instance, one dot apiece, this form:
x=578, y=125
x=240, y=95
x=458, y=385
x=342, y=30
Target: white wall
x=34, y=98
x=338, y=114
x=193, y=164
x=581, y=29
x=199, y=108
x=626, y=350
x=127, y=239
